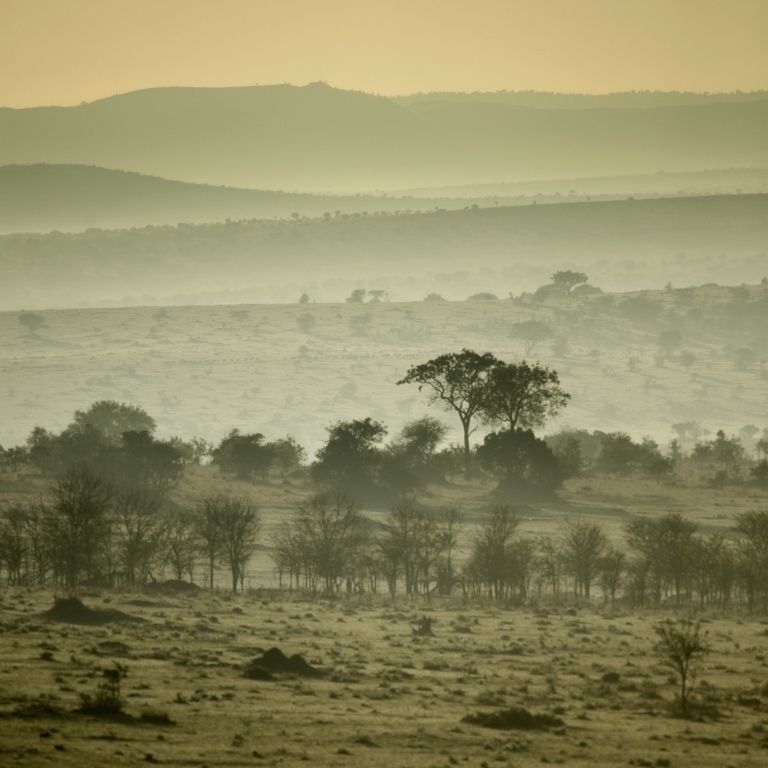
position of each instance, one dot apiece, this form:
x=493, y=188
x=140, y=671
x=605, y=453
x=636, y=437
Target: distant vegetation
x=109, y=516
x=631, y=241
x=71, y=198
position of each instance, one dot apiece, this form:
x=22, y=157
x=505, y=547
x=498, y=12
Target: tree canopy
x=523, y=395
x=459, y=382
x=112, y=419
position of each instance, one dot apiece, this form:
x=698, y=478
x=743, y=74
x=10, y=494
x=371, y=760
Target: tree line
x=110, y=518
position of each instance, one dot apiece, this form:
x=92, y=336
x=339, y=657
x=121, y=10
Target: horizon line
x=326, y=84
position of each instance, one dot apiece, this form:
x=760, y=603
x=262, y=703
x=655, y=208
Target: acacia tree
x=568, y=280
x=522, y=395
x=521, y=458
x=349, y=460
x=530, y=332
x=459, y=381
x=112, y=419
x=244, y=455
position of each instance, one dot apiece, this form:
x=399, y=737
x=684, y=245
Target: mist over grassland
x=296, y=368
x=630, y=244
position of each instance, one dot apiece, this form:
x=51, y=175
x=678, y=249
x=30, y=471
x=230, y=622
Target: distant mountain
x=624, y=245
x=318, y=138
x=619, y=100
x=72, y=198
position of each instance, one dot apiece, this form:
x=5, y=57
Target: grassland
x=297, y=368
x=386, y=696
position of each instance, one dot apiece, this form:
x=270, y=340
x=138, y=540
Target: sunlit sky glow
x=67, y=51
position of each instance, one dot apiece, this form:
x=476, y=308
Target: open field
x=297, y=368
x=386, y=697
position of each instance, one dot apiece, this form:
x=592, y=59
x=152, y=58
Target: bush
x=680, y=647
x=106, y=701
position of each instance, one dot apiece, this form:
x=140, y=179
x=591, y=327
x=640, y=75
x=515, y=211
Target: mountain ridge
x=317, y=137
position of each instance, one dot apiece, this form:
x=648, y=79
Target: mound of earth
x=172, y=586
x=71, y=610
x=275, y=662
x=514, y=718
x=253, y=672
x=111, y=648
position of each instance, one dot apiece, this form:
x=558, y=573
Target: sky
x=68, y=51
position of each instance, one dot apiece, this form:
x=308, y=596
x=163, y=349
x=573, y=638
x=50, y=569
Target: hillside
x=617, y=100
x=318, y=138
x=72, y=198
x=725, y=181
x=631, y=244
x=42, y=198
x=297, y=368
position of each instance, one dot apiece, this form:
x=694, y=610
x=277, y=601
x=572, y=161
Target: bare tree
x=180, y=544
x=610, y=568
x=239, y=526
x=81, y=501
x=332, y=535
x=490, y=563
x=209, y=533
x=584, y=544
x=140, y=530
x=448, y=528
x=410, y=544
x=680, y=646
x=13, y=545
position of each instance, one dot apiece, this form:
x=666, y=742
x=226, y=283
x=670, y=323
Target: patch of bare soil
x=514, y=718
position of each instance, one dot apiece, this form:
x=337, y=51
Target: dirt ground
x=387, y=697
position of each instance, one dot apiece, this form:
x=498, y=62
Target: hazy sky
x=66, y=51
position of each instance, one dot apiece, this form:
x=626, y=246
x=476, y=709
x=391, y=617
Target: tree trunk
x=467, y=454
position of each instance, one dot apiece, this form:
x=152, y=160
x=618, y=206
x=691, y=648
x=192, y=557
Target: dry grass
x=386, y=697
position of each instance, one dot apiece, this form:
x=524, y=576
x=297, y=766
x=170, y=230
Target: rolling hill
x=41, y=198
x=72, y=198
x=318, y=138
x=296, y=368
x=626, y=245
